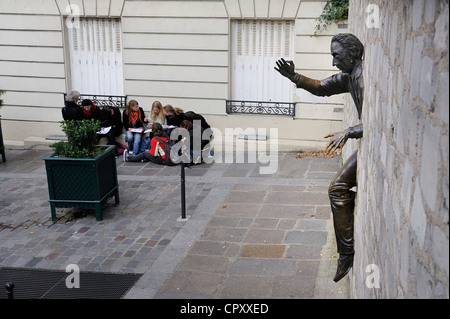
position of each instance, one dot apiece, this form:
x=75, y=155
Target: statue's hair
x=351, y=43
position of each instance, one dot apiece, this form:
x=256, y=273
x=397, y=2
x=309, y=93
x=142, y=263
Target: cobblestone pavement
x=246, y=235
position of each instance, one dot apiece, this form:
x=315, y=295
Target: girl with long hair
x=174, y=115
x=133, y=121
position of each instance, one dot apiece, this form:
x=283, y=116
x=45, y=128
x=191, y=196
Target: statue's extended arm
x=339, y=139
x=325, y=87
x=335, y=84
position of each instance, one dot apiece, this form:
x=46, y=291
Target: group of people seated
x=144, y=135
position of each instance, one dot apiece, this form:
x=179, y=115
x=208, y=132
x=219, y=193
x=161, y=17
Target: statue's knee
x=340, y=193
x=334, y=190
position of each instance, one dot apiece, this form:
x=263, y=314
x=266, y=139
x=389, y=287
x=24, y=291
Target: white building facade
x=196, y=55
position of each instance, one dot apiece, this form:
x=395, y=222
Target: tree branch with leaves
x=334, y=11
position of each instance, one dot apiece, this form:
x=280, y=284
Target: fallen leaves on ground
x=315, y=154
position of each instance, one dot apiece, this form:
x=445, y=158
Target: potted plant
x=79, y=172
x=2, y=146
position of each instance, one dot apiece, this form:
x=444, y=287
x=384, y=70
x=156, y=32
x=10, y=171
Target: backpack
x=120, y=148
x=165, y=150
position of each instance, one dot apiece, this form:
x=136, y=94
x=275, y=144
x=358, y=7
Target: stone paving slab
x=273, y=237
x=246, y=236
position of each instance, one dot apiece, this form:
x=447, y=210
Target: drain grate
x=51, y=284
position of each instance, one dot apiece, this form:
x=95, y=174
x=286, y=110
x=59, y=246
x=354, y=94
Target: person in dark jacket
x=110, y=117
x=90, y=111
x=173, y=115
x=197, y=143
x=71, y=110
x=191, y=116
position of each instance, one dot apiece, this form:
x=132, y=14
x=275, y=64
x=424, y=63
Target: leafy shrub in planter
x=81, y=173
x=82, y=139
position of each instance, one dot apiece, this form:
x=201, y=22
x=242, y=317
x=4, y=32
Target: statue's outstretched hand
x=286, y=68
x=338, y=140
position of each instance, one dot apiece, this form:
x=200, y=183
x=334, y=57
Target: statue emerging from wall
x=347, y=52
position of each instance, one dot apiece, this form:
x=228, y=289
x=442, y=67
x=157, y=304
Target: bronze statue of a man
x=347, y=52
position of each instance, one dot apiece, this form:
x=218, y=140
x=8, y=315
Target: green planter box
x=82, y=182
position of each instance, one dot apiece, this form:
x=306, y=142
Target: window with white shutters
x=255, y=47
x=95, y=50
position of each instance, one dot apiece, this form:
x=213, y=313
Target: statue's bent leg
x=342, y=201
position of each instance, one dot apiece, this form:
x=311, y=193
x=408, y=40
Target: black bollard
x=183, y=192
x=10, y=288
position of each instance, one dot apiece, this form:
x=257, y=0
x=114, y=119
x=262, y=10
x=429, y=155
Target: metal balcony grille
x=119, y=101
x=261, y=108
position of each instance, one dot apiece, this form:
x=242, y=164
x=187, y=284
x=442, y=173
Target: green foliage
x=82, y=139
x=1, y=101
x=334, y=11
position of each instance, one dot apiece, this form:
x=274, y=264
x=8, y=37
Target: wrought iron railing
x=102, y=100
x=262, y=108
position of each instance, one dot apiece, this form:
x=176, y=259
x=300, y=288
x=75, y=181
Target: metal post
x=183, y=192
x=2, y=146
x=10, y=288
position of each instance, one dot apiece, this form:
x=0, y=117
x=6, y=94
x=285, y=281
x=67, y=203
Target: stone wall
x=402, y=214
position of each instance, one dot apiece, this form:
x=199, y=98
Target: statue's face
x=341, y=59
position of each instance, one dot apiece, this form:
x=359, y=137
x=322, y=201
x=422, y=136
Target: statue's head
x=347, y=51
